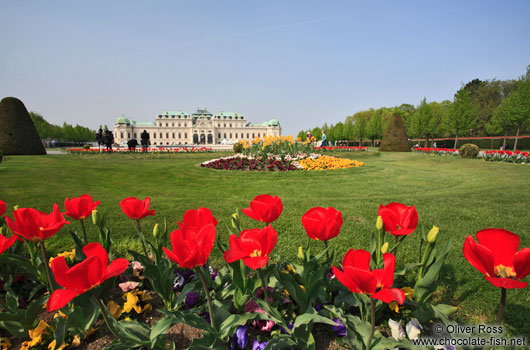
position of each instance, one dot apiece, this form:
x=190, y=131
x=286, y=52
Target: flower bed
x=95, y=150
x=494, y=155
x=437, y=151
x=327, y=162
x=505, y=156
x=341, y=148
x=242, y=162
x=247, y=303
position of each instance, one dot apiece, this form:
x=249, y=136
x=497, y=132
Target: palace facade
x=177, y=128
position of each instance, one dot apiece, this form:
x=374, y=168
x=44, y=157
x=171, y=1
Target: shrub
x=238, y=147
x=18, y=134
x=1, y=154
x=86, y=146
x=469, y=150
x=395, y=137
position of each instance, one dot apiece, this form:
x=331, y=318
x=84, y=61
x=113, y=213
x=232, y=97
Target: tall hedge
x=17, y=132
x=395, y=138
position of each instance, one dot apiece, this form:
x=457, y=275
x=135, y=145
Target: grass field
x=458, y=195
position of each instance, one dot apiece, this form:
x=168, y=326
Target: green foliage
x=462, y=114
x=469, y=150
x=1, y=155
x=66, y=132
x=238, y=147
x=421, y=120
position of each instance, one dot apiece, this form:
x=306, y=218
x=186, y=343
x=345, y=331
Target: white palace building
x=174, y=128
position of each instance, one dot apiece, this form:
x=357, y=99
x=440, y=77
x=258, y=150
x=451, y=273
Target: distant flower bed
x=276, y=163
x=341, y=148
x=494, y=155
x=327, y=162
x=505, y=156
x=437, y=151
x=95, y=150
x=242, y=162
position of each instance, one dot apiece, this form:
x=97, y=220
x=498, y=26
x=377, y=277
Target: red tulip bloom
x=253, y=246
x=80, y=208
x=398, y=219
x=264, y=208
x=322, y=224
x=358, y=278
x=2, y=207
x=34, y=225
x=496, y=256
x=197, y=219
x=191, y=248
x=135, y=208
x=6, y=243
x=84, y=276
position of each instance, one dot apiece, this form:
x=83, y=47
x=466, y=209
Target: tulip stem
x=397, y=242
x=327, y=250
x=142, y=238
x=45, y=260
x=265, y=291
x=372, y=323
x=84, y=231
x=501, y=306
x=207, y=293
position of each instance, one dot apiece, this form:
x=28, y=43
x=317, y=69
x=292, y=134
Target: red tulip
x=135, y=208
x=34, y=225
x=496, y=256
x=84, y=276
x=322, y=224
x=80, y=208
x=253, y=246
x=398, y=219
x=2, y=207
x=358, y=278
x=6, y=243
x=191, y=248
x=197, y=219
x=264, y=208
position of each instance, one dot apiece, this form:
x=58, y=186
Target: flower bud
x=155, y=230
x=379, y=223
x=300, y=253
x=16, y=207
x=433, y=233
x=96, y=218
x=2, y=230
x=384, y=248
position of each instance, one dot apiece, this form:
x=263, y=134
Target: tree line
x=66, y=132
x=479, y=108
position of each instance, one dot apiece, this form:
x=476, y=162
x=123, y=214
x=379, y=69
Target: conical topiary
x=17, y=132
x=395, y=138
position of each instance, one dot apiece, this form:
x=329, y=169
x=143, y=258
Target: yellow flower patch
x=327, y=162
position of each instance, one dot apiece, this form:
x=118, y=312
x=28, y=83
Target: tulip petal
x=256, y=262
x=59, y=269
x=479, y=256
x=388, y=295
x=345, y=280
x=388, y=273
x=97, y=250
x=507, y=283
x=521, y=263
x=170, y=255
x=116, y=267
x=250, y=213
x=6, y=243
x=235, y=252
x=60, y=298
x=365, y=280
x=359, y=259
x=502, y=243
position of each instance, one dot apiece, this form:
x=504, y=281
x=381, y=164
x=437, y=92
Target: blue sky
x=301, y=62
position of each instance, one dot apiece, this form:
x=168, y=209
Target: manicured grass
x=460, y=196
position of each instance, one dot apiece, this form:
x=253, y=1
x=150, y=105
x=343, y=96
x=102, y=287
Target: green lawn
x=458, y=195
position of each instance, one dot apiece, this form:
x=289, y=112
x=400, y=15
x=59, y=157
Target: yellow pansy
x=51, y=346
x=6, y=343
x=394, y=306
x=76, y=342
x=114, y=309
x=67, y=255
x=409, y=292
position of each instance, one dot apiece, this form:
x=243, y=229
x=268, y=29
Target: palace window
x=180, y=135
x=161, y=135
x=224, y=135
x=230, y=135
x=128, y=135
x=218, y=136
x=186, y=136
x=173, y=124
x=219, y=125
x=154, y=136
x=167, y=135
x=252, y=135
x=167, y=124
x=173, y=135
x=248, y=135
x=179, y=125
x=121, y=135
x=155, y=143
x=184, y=124
x=230, y=124
x=159, y=124
x=224, y=125
x=134, y=135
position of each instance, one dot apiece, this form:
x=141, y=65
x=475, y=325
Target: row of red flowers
x=341, y=148
x=95, y=150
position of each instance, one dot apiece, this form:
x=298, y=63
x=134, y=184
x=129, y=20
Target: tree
x=439, y=115
x=462, y=113
x=374, y=127
x=317, y=133
x=302, y=135
x=516, y=107
x=420, y=121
